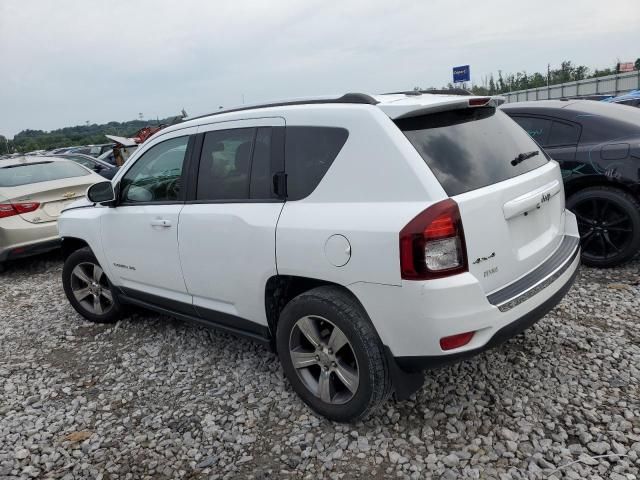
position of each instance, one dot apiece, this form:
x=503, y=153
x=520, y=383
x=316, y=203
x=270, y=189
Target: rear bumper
x=19, y=238
x=417, y=363
x=412, y=318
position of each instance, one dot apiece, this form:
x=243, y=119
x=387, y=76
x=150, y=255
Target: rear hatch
x=509, y=193
x=39, y=191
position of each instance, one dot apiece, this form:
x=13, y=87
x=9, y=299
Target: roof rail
x=356, y=98
x=434, y=91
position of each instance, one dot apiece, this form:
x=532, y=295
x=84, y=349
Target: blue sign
x=461, y=74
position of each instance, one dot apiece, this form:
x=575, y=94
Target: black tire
x=113, y=311
x=605, y=244
x=344, y=312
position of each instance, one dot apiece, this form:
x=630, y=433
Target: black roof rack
x=434, y=91
x=356, y=98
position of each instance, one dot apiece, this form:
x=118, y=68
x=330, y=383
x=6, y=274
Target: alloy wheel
x=324, y=359
x=91, y=288
x=605, y=228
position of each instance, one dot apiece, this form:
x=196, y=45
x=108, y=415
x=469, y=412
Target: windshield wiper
x=523, y=156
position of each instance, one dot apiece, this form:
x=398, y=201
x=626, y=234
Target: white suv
x=364, y=238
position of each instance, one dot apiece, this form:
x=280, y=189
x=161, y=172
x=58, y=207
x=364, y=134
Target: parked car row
x=363, y=238
x=33, y=192
x=90, y=150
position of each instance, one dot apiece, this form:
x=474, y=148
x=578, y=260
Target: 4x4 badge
x=482, y=259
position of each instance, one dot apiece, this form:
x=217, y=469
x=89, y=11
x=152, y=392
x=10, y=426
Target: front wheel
x=332, y=355
x=609, y=224
x=88, y=289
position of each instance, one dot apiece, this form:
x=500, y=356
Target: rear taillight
x=26, y=207
x=11, y=209
x=432, y=244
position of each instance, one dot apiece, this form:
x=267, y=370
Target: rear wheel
x=609, y=223
x=88, y=289
x=332, y=355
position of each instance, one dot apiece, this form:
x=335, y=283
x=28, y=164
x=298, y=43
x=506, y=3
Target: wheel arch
x=281, y=289
x=573, y=186
x=71, y=244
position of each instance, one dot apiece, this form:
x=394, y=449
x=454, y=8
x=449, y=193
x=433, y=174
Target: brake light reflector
x=456, y=341
x=432, y=244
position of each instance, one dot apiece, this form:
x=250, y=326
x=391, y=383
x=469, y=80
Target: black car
x=100, y=167
x=598, y=147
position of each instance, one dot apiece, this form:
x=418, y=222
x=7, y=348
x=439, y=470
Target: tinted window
x=602, y=122
x=538, y=128
x=24, y=174
x=261, y=177
x=225, y=165
x=156, y=175
x=563, y=134
x=470, y=148
x=309, y=152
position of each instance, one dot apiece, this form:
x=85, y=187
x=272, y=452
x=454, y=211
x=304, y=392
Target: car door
x=140, y=235
x=227, y=227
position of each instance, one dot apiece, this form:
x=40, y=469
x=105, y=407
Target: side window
x=84, y=162
x=538, y=128
x=309, y=152
x=225, y=165
x=563, y=134
x=156, y=175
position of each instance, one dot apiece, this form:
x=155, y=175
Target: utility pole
x=548, y=73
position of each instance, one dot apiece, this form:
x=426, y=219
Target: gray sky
x=67, y=61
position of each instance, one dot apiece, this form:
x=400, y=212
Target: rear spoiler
x=399, y=110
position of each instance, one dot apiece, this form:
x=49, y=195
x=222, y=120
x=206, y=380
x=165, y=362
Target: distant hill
x=28, y=140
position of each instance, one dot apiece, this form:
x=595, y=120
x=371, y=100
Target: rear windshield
x=24, y=174
x=471, y=148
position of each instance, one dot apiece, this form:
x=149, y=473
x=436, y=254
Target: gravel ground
x=150, y=397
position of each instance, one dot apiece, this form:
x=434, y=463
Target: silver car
x=33, y=192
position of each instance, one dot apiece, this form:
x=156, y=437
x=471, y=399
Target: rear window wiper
x=523, y=156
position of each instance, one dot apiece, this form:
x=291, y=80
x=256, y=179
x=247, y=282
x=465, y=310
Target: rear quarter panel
x=374, y=187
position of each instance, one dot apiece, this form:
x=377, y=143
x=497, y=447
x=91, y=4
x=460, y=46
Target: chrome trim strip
x=532, y=287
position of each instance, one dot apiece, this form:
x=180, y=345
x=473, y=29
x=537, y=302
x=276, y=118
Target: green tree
x=29, y=140
x=492, y=85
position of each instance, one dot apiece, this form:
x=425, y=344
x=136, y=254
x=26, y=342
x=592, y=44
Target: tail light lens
x=26, y=207
x=11, y=209
x=432, y=245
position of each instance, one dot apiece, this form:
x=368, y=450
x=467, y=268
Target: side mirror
x=101, y=192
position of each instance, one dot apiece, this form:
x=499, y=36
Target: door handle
x=161, y=222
